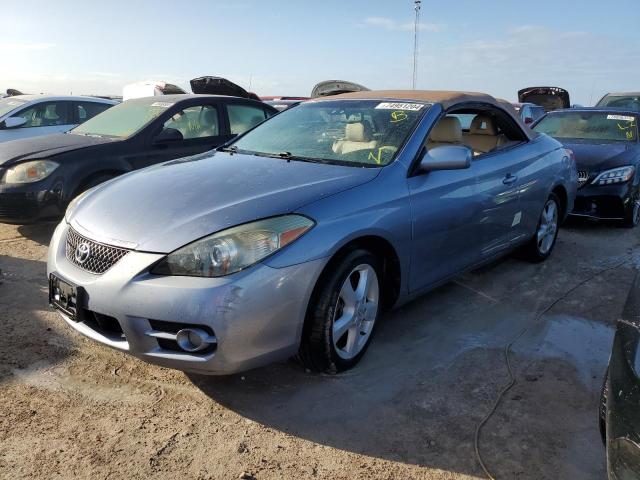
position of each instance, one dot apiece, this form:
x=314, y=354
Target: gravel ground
x=75, y=409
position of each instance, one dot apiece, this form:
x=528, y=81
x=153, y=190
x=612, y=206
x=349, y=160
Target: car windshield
x=125, y=119
x=363, y=133
x=8, y=104
x=590, y=126
x=628, y=102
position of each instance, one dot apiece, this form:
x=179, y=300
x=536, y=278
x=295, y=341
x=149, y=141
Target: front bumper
x=30, y=202
x=256, y=315
x=605, y=202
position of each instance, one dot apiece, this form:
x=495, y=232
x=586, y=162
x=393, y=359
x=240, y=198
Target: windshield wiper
x=232, y=149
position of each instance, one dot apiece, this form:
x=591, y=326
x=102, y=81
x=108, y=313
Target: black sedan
x=40, y=176
x=620, y=400
x=607, y=150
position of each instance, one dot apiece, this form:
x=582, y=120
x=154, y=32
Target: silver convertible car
x=292, y=238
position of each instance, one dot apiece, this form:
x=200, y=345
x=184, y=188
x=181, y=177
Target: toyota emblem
x=82, y=252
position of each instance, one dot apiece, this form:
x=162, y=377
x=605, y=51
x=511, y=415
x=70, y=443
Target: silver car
x=293, y=238
x=25, y=116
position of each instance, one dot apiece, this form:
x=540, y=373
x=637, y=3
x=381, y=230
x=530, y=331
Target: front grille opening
x=95, y=257
x=104, y=325
x=175, y=327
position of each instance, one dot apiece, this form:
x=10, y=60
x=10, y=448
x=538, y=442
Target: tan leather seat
x=356, y=137
x=448, y=131
x=482, y=136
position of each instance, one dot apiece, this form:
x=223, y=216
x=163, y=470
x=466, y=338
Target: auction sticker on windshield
x=162, y=104
x=620, y=117
x=399, y=106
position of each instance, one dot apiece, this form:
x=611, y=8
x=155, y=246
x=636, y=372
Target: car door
x=463, y=217
x=43, y=118
x=200, y=127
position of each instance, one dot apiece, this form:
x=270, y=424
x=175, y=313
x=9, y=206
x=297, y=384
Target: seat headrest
x=447, y=130
x=210, y=116
x=356, y=132
x=482, y=125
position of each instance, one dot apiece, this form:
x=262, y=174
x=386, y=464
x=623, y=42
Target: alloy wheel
x=356, y=311
x=548, y=227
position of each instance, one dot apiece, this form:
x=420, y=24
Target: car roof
x=186, y=96
x=597, y=110
x=79, y=98
x=622, y=94
x=444, y=97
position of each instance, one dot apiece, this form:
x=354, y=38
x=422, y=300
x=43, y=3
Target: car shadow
x=28, y=338
x=39, y=233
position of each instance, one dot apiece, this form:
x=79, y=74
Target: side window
x=489, y=130
x=46, y=114
x=244, y=117
x=87, y=110
x=196, y=122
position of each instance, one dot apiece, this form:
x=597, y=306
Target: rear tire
x=342, y=314
x=541, y=245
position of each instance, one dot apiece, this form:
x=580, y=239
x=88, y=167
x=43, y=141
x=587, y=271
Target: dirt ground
x=75, y=409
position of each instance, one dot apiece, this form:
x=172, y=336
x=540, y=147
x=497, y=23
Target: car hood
x=167, y=206
x=45, y=146
x=602, y=156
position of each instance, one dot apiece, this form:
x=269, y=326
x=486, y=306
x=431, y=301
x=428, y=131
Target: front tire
x=541, y=245
x=342, y=314
x=632, y=213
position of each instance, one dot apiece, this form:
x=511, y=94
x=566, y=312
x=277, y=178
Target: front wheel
x=342, y=314
x=541, y=245
x=632, y=214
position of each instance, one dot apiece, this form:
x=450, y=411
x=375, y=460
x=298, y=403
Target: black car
x=620, y=399
x=40, y=176
x=607, y=151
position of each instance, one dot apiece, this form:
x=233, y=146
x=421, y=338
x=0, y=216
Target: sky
x=280, y=47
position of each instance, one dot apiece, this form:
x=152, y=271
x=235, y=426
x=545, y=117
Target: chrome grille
x=94, y=257
x=583, y=176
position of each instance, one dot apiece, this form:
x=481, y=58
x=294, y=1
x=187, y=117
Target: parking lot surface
x=72, y=408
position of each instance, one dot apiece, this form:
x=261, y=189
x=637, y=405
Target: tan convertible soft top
x=445, y=98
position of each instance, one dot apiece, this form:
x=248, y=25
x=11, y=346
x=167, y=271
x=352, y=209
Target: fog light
x=193, y=339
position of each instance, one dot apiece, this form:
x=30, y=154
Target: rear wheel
x=342, y=314
x=541, y=245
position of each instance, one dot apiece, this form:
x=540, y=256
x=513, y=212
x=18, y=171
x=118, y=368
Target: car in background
x=549, y=98
x=619, y=413
x=40, y=176
x=149, y=88
x=335, y=87
x=24, y=116
x=282, y=103
x=607, y=151
x=626, y=101
x=529, y=112
x=293, y=237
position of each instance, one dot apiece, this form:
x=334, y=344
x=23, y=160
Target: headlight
x=29, y=172
x=615, y=175
x=234, y=249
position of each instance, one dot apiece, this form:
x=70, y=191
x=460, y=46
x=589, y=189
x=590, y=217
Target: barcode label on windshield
x=620, y=117
x=399, y=106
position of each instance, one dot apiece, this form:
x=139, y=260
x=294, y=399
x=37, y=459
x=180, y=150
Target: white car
x=26, y=116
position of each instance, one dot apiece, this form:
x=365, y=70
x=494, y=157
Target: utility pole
x=415, y=43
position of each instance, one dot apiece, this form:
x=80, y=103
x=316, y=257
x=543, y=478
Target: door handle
x=509, y=179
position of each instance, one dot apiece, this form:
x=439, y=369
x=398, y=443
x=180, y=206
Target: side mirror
x=14, y=122
x=168, y=135
x=528, y=120
x=447, y=157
